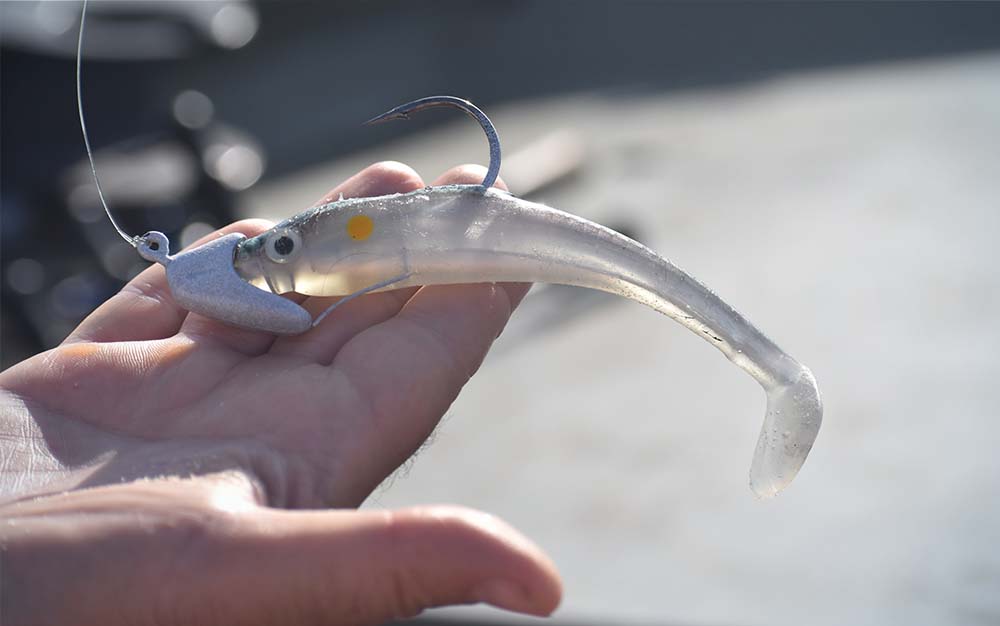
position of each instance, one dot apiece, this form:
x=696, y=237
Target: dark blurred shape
x=65, y=259
x=160, y=182
x=176, y=171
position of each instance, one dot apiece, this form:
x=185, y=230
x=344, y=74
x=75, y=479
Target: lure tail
x=794, y=409
x=794, y=414
x=625, y=267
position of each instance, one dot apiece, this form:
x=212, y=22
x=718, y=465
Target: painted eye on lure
x=282, y=246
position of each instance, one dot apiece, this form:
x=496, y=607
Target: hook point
x=388, y=116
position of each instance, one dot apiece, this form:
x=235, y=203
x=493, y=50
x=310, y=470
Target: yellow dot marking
x=360, y=227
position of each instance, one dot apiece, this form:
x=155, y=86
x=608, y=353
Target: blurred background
x=831, y=169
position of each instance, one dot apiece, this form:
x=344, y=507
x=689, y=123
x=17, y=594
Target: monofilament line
x=133, y=241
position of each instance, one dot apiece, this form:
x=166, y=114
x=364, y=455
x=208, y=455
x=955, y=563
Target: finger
x=414, y=365
x=110, y=385
x=320, y=344
x=202, y=551
x=371, y=566
x=378, y=179
x=145, y=309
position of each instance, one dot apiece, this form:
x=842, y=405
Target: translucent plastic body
x=463, y=234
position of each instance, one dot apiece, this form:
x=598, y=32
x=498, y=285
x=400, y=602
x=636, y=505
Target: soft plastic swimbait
x=465, y=234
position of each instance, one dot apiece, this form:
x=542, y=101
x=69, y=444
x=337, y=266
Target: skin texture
x=155, y=468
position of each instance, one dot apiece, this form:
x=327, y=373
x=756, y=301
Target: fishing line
x=132, y=241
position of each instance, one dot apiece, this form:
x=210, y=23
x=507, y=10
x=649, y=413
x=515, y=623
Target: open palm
x=155, y=454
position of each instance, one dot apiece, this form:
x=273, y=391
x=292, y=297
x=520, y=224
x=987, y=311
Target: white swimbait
x=465, y=234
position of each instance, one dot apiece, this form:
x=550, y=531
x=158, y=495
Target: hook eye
x=154, y=246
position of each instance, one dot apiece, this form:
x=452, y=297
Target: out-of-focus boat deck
x=853, y=216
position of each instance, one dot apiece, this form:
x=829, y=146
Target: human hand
x=150, y=462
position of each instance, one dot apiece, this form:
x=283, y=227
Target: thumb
x=366, y=567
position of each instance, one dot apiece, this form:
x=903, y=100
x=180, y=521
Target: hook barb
x=403, y=111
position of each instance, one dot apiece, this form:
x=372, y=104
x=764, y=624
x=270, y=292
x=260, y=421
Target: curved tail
x=794, y=408
x=625, y=267
x=794, y=414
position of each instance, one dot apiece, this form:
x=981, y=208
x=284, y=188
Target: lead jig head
x=204, y=281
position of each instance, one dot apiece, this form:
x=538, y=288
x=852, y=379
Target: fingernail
x=504, y=595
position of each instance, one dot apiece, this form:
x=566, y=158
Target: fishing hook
x=403, y=111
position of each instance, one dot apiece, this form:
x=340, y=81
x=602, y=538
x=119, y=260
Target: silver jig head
x=203, y=280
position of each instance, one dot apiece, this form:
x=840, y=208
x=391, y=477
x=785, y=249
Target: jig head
x=203, y=280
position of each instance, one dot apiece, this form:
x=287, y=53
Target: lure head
x=269, y=260
x=203, y=280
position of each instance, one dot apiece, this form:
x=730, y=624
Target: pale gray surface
x=853, y=216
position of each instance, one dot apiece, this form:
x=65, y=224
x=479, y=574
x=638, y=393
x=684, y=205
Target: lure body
x=465, y=234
